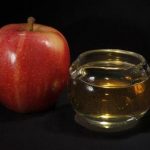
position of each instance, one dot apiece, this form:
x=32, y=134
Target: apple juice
x=105, y=90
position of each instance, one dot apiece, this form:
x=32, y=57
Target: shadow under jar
x=109, y=89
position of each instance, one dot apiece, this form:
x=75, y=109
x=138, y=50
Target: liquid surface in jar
x=109, y=90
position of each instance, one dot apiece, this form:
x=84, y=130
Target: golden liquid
x=109, y=91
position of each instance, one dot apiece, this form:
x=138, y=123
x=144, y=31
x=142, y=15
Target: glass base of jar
x=103, y=125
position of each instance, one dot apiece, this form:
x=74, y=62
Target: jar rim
x=120, y=51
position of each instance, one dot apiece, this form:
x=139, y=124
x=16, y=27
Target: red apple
x=34, y=62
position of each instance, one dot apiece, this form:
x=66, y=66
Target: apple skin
x=33, y=66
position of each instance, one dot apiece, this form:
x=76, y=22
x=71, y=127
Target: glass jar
x=109, y=89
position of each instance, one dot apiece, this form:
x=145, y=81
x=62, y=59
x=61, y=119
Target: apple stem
x=30, y=21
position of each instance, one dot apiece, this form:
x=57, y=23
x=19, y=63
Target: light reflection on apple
x=11, y=56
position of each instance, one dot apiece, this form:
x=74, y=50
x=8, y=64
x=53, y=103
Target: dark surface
x=86, y=24
x=56, y=129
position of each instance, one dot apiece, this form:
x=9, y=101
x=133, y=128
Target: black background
x=86, y=24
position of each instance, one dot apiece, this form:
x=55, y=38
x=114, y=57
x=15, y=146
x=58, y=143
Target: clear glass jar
x=109, y=89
